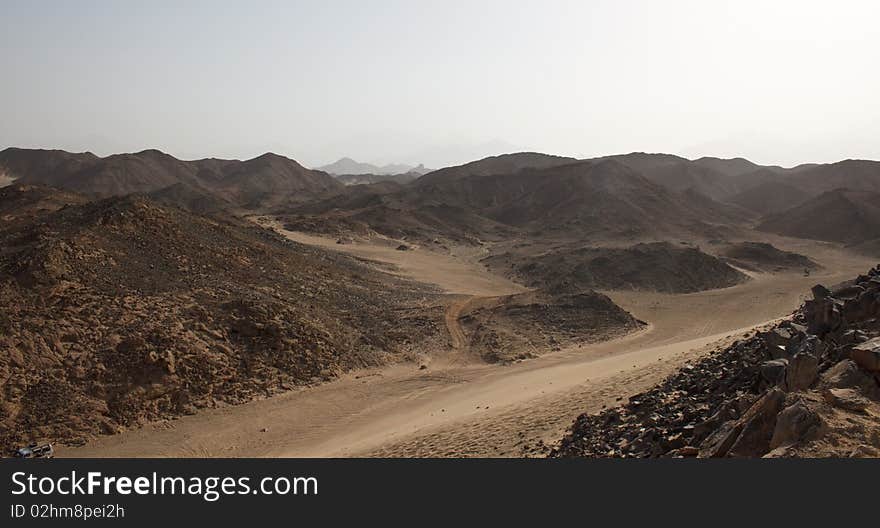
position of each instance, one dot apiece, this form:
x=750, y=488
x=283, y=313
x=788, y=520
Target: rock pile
x=808, y=387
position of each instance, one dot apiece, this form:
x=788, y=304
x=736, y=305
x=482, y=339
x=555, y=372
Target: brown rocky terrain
x=21, y=204
x=809, y=386
x=526, y=325
x=121, y=311
x=761, y=256
x=658, y=266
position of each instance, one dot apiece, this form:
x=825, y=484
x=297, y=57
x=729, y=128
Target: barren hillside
x=121, y=311
x=845, y=216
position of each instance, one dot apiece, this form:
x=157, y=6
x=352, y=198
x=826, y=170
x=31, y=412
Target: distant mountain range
x=631, y=196
x=348, y=166
x=636, y=196
x=264, y=181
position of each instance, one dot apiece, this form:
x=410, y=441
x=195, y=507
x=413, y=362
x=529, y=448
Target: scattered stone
x=847, y=374
x=867, y=355
x=758, y=425
x=773, y=371
x=802, y=371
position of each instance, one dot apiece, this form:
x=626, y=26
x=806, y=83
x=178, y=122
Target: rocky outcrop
x=808, y=387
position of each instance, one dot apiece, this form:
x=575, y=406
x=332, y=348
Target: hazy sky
x=443, y=82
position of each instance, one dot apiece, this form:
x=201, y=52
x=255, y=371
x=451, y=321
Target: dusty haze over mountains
x=497, y=229
x=441, y=84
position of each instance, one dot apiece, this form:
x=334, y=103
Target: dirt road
x=452, y=409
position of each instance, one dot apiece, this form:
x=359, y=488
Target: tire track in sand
x=452, y=316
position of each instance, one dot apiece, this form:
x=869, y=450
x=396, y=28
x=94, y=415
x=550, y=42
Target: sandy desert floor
x=457, y=407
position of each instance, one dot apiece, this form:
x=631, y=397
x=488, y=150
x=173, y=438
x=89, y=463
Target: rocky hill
x=810, y=387
x=528, y=324
x=861, y=175
x=680, y=174
x=268, y=181
x=659, y=266
x=21, y=204
x=43, y=166
x=121, y=311
x=495, y=165
x=847, y=216
x=760, y=256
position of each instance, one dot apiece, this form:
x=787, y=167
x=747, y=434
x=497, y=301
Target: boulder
x=853, y=337
x=776, y=342
x=796, y=423
x=867, y=355
x=802, y=371
x=773, y=371
x=823, y=315
x=757, y=425
x=848, y=399
x=813, y=346
x=820, y=292
x=848, y=292
x=718, y=443
x=846, y=374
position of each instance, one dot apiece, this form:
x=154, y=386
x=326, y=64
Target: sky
x=441, y=83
